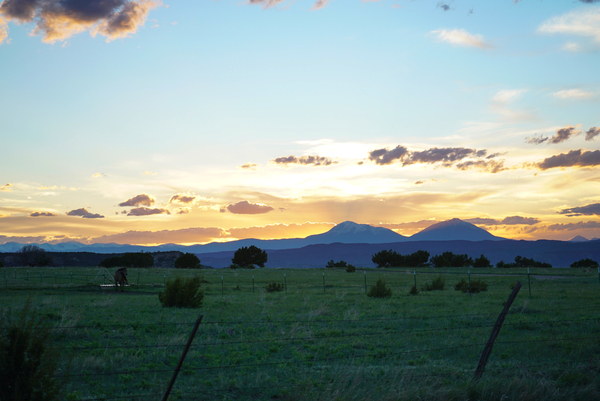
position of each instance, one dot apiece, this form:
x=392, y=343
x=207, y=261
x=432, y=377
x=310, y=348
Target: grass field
x=322, y=338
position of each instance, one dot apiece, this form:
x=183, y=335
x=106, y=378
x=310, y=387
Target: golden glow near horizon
x=206, y=122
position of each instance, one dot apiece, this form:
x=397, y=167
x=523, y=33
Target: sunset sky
x=149, y=122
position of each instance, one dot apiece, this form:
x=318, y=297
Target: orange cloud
x=245, y=207
x=139, y=200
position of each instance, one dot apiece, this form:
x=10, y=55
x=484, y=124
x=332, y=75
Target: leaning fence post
x=181, y=359
x=490, y=344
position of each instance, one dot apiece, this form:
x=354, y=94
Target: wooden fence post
x=490, y=344
x=181, y=359
x=253, y=283
x=323, y=282
x=365, y=281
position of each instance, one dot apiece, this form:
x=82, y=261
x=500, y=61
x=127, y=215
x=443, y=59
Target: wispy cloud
x=587, y=210
x=249, y=166
x=182, y=198
x=59, y=20
x=592, y=133
x=245, y=207
x=561, y=135
x=8, y=187
x=509, y=220
x=139, y=200
x=145, y=211
x=574, y=158
x=573, y=94
x=460, y=37
x=581, y=22
x=84, y=214
x=304, y=160
x=42, y=214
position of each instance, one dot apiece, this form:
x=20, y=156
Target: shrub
x=1, y=263
x=29, y=363
x=234, y=266
x=332, y=264
x=476, y=286
x=249, y=255
x=187, y=261
x=350, y=269
x=274, y=287
x=379, y=290
x=448, y=259
x=182, y=293
x=482, y=261
x=414, y=290
x=589, y=263
x=436, y=285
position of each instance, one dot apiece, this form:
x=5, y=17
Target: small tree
x=436, y=285
x=380, y=290
x=388, y=259
x=448, y=259
x=332, y=264
x=274, y=287
x=33, y=255
x=182, y=293
x=251, y=255
x=187, y=261
x=482, y=261
x=28, y=363
x=587, y=263
x=350, y=269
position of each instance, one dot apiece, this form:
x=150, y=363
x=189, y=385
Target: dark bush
x=589, y=263
x=251, y=255
x=414, y=290
x=332, y=264
x=187, y=261
x=482, y=261
x=379, y=290
x=1, y=263
x=274, y=287
x=182, y=293
x=28, y=361
x=394, y=259
x=476, y=286
x=436, y=285
x=448, y=259
x=350, y=269
x=521, y=261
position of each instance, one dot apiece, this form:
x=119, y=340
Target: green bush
x=589, y=263
x=187, y=261
x=436, y=285
x=182, y=293
x=274, y=287
x=28, y=362
x=350, y=269
x=379, y=290
x=414, y=290
x=476, y=286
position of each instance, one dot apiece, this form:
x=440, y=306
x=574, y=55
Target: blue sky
x=225, y=102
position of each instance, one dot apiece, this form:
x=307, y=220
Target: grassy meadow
x=322, y=338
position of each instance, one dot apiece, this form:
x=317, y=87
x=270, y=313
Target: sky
x=150, y=122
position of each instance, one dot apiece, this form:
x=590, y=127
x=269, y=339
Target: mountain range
x=347, y=232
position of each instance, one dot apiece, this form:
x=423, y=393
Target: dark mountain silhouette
x=454, y=229
x=557, y=253
x=578, y=238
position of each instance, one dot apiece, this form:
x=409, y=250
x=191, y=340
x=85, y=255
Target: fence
x=322, y=356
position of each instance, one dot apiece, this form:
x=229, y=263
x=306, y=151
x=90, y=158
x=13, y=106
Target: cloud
x=3, y=31
x=420, y=182
x=182, y=236
x=304, y=160
x=536, y=140
x=490, y=166
x=8, y=187
x=587, y=210
x=574, y=226
x=575, y=158
x=248, y=166
x=443, y=6
x=60, y=19
x=139, y=200
x=265, y=3
x=592, y=133
x=145, y=211
x=42, y=214
x=319, y=4
x=445, y=156
x=84, y=214
x=245, y=207
x=509, y=221
x=460, y=37
x=573, y=94
x=563, y=134
x=179, y=198
x=582, y=22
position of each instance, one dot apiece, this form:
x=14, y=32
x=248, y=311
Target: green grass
x=321, y=342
